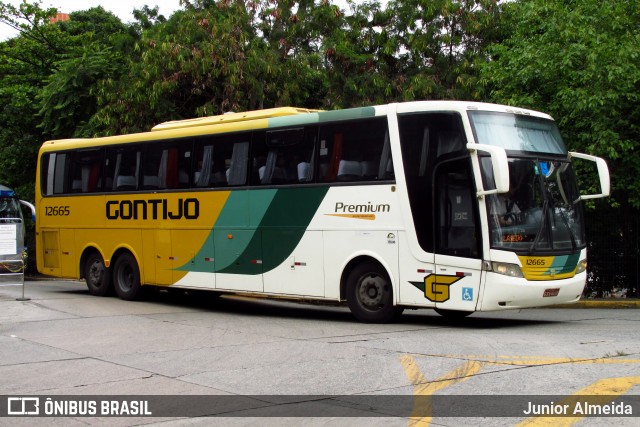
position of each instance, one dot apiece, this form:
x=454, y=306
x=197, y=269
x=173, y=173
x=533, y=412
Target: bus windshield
x=516, y=132
x=541, y=213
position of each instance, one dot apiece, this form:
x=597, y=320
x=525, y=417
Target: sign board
x=8, y=241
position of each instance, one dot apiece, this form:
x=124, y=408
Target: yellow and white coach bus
x=455, y=206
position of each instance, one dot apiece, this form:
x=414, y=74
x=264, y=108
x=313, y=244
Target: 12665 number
x=57, y=211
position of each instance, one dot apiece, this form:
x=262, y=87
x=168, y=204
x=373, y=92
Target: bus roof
x=232, y=117
x=273, y=117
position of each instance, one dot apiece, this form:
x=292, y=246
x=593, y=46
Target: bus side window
x=60, y=185
x=182, y=165
x=47, y=173
x=45, y=178
x=285, y=156
x=122, y=167
x=355, y=151
x=85, y=171
x=155, y=161
x=305, y=155
x=237, y=171
x=220, y=161
x=165, y=166
x=52, y=174
x=204, y=165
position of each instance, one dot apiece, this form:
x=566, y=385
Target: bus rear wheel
x=126, y=277
x=370, y=294
x=97, y=275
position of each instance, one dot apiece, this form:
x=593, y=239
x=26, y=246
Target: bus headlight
x=511, y=270
x=582, y=266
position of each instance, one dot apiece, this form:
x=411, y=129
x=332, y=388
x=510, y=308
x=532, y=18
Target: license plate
x=551, y=292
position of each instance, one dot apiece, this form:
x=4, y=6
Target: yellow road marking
x=424, y=387
x=605, y=388
x=599, y=393
x=537, y=360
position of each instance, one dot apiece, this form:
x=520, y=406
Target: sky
x=121, y=8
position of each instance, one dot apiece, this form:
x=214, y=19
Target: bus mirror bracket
x=499, y=164
x=603, y=174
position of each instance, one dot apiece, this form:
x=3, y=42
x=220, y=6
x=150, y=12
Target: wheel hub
x=95, y=272
x=371, y=291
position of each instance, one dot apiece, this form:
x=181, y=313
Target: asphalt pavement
x=268, y=358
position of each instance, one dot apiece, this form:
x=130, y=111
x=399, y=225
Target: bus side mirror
x=31, y=208
x=499, y=164
x=603, y=173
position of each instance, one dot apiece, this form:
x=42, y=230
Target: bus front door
x=458, y=247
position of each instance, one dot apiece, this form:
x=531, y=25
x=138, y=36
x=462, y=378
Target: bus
x=13, y=252
x=385, y=207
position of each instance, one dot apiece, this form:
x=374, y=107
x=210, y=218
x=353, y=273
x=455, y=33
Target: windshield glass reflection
x=541, y=213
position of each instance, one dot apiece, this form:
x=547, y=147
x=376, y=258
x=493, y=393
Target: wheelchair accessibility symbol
x=467, y=294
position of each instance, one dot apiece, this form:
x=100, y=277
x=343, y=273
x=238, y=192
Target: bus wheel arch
x=368, y=289
x=126, y=275
x=95, y=272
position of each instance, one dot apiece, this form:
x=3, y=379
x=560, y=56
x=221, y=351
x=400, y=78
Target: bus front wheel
x=126, y=277
x=97, y=275
x=370, y=294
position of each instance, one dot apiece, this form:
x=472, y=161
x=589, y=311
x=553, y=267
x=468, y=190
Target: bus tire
x=370, y=294
x=452, y=314
x=97, y=275
x=126, y=277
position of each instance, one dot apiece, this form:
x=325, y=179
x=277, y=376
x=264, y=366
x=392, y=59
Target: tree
x=25, y=61
x=438, y=44
x=213, y=57
x=68, y=100
x=100, y=43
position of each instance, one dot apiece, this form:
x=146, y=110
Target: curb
x=609, y=303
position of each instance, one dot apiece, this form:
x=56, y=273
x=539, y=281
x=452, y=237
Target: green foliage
x=24, y=62
x=35, y=50
x=67, y=102
x=146, y=18
x=440, y=43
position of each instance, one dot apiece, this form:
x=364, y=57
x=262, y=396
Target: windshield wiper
x=566, y=223
x=545, y=216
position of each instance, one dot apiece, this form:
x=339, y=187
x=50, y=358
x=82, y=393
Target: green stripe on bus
x=563, y=264
x=322, y=117
x=257, y=230
x=280, y=231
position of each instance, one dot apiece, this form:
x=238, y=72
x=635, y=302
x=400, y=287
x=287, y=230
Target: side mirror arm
x=603, y=173
x=31, y=208
x=500, y=166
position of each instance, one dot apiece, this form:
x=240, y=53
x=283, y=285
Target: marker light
x=511, y=270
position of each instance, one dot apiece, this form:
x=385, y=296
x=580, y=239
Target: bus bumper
x=504, y=292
